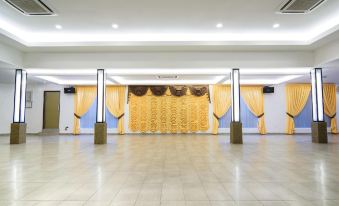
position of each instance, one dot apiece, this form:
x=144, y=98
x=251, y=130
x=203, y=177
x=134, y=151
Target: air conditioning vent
x=31, y=7
x=167, y=77
x=300, y=6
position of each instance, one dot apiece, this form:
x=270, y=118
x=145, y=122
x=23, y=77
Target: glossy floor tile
x=169, y=170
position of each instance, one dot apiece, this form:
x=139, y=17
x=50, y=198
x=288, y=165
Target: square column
x=100, y=127
x=319, y=126
x=236, y=125
x=18, y=127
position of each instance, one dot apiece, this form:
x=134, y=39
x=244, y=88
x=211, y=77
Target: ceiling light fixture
x=60, y=81
x=61, y=72
x=169, y=71
x=115, y=26
x=266, y=81
x=58, y=26
x=219, y=25
x=276, y=71
x=275, y=26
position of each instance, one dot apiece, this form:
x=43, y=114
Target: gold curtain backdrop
x=164, y=112
x=182, y=110
x=115, y=102
x=253, y=97
x=296, y=99
x=221, y=104
x=83, y=99
x=330, y=105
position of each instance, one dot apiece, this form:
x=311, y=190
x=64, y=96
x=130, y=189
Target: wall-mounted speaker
x=69, y=90
x=268, y=90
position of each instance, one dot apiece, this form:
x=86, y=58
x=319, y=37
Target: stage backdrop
x=168, y=109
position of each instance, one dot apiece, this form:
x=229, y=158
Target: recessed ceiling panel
x=300, y=6
x=31, y=7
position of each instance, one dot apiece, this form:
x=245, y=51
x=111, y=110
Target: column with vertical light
x=18, y=127
x=319, y=126
x=100, y=128
x=235, y=125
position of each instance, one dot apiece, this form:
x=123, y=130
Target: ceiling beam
x=169, y=60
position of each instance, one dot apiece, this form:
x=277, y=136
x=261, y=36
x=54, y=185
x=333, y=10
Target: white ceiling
x=246, y=22
x=176, y=25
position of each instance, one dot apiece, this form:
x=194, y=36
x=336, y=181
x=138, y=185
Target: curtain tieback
x=121, y=116
x=333, y=116
x=77, y=116
x=288, y=114
x=259, y=116
x=215, y=116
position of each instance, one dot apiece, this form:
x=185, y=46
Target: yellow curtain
x=254, y=99
x=115, y=102
x=83, y=99
x=296, y=99
x=330, y=105
x=221, y=104
x=168, y=114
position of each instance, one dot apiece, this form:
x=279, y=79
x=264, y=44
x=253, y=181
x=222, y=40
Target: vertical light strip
x=101, y=95
x=235, y=92
x=23, y=96
x=314, y=94
x=17, y=95
x=104, y=99
x=317, y=95
x=320, y=99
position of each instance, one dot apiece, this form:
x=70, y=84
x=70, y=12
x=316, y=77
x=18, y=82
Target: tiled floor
x=169, y=170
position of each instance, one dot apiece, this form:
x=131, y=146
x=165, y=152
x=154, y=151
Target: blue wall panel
x=88, y=120
x=304, y=119
x=248, y=119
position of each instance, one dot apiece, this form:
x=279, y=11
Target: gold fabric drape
x=221, y=104
x=115, y=102
x=330, y=104
x=253, y=97
x=83, y=99
x=168, y=113
x=296, y=99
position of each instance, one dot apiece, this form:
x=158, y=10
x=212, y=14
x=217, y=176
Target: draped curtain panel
x=83, y=99
x=330, y=105
x=296, y=99
x=253, y=97
x=221, y=104
x=168, y=110
x=115, y=103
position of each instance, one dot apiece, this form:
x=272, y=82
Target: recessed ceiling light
x=219, y=25
x=276, y=26
x=58, y=26
x=115, y=26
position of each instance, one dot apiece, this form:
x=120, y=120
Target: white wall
x=337, y=107
x=10, y=55
x=326, y=53
x=275, y=110
x=34, y=115
x=6, y=107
